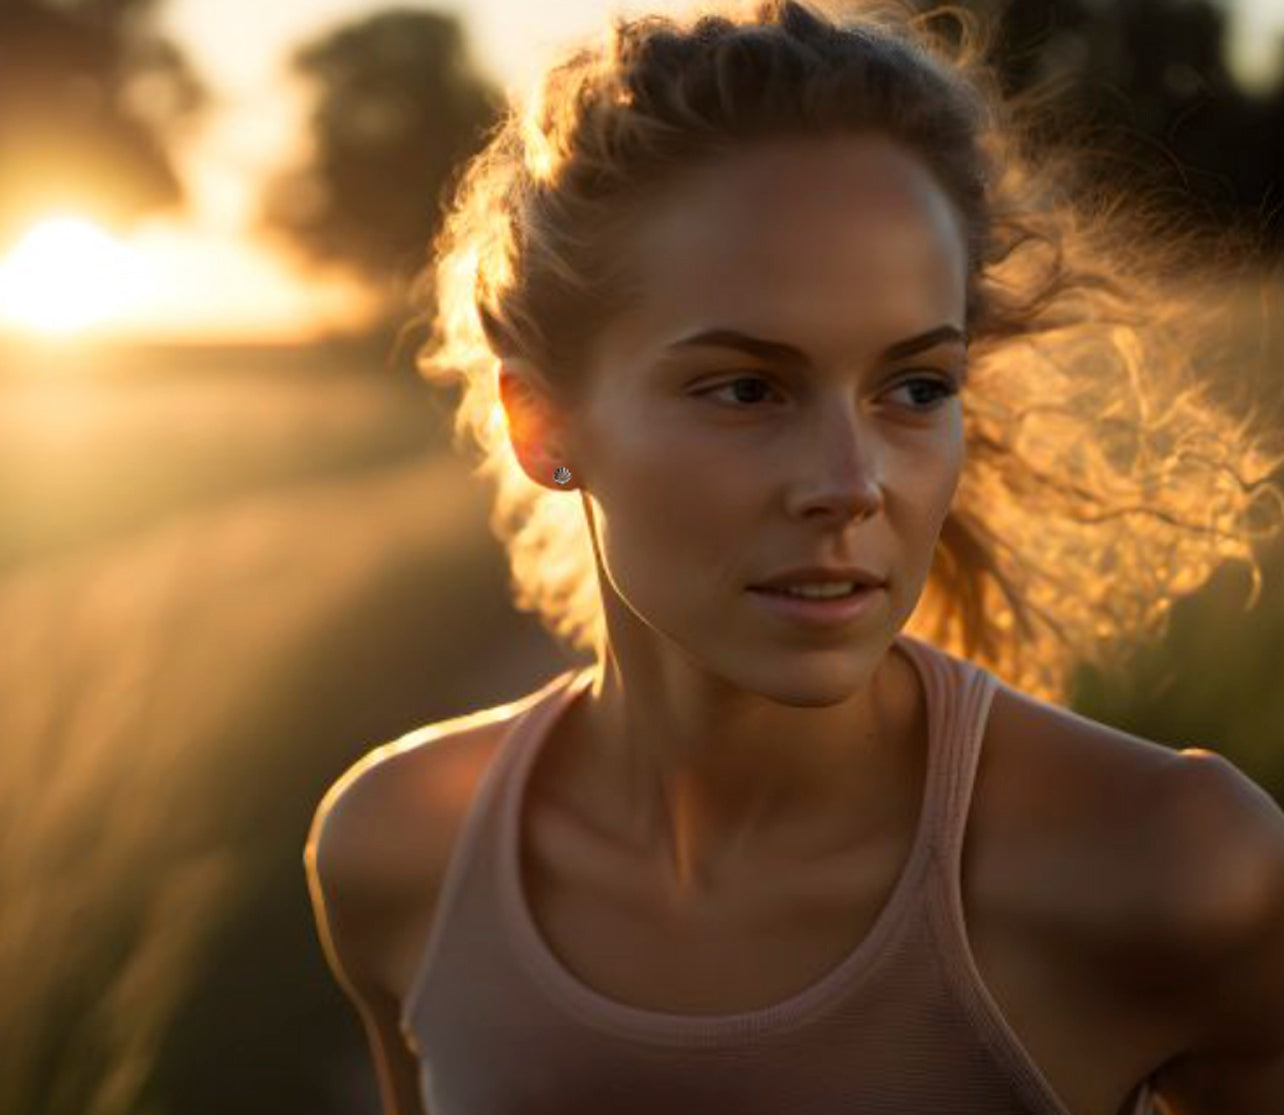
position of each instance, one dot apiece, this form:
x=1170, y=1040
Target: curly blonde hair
x=1101, y=479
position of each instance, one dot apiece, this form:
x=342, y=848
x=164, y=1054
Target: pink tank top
x=902, y=1026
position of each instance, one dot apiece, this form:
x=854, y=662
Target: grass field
x=223, y=577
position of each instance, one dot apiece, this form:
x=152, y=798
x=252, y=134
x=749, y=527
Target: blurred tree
x=398, y=108
x=89, y=95
x=1155, y=76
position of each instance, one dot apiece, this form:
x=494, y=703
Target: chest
x=767, y=934
x=755, y=939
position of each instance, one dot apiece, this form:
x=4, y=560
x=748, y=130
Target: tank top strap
x=964, y=693
x=959, y=694
x=484, y=813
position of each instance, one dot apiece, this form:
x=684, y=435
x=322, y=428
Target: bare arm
x=351, y=901
x=1234, y=1063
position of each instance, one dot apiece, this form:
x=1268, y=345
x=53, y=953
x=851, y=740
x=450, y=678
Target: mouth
x=826, y=612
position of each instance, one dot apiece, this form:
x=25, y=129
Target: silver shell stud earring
x=562, y=475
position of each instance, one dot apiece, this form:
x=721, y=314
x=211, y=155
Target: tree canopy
x=90, y=97
x=398, y=108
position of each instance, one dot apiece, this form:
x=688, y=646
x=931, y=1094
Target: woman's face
x=709, y=467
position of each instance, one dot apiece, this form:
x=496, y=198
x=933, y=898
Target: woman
x=728, y=279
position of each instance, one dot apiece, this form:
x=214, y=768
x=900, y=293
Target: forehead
x=841, y=241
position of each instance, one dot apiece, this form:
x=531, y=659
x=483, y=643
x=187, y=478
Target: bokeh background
x=236, y=548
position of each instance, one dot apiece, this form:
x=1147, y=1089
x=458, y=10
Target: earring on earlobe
x=562, y=475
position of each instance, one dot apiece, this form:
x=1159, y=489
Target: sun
x=65, y=276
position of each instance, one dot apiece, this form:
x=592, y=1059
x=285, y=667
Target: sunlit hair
x=1101, y=481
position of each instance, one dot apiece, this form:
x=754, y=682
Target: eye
x=731, y=383
x=941, y=386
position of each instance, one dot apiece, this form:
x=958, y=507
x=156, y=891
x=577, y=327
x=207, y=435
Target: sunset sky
x=203, y=278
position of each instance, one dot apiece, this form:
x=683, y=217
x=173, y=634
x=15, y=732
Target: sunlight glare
x=65, y=275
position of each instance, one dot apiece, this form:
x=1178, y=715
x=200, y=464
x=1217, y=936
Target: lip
x=822, y=613
x=819, y=574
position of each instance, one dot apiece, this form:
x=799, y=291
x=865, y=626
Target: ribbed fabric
x=902, y=1026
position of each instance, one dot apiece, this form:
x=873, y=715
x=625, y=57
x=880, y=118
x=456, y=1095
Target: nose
x=843, y=476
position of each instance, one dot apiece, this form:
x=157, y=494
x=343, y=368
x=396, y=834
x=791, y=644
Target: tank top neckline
x=603, y=1012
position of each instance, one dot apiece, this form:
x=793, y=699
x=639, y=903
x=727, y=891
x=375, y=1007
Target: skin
x=720, y=730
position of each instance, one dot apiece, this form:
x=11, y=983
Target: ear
x=537, y=428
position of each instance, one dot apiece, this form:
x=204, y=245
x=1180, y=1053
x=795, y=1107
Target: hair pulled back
x=1102, y=480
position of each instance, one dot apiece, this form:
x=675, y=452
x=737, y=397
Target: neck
x=707, y=776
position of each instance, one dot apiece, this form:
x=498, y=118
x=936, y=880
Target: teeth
x=821, y=592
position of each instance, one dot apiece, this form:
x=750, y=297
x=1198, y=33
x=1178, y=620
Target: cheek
x=951, y=475
x=675, y=538
x=928, y=502
x=685, y=523
x=925, y=508
x=671, y=472
x=930, y=468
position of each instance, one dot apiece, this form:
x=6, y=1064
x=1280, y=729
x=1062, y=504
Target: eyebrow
x=778, y=350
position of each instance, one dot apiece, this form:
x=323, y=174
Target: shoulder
x=363, y=810
x=1223, y=838
x=1137, y=864
x=1176, y=842
x=1228, y=926
x=379, y=842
